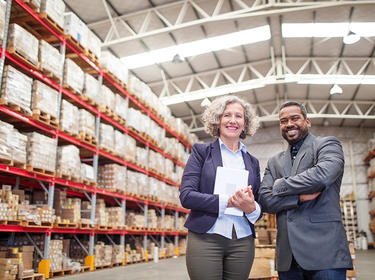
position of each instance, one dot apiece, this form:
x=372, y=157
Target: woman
x=221, y=246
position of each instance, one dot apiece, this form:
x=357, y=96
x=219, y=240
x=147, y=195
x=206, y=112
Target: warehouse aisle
x=173, y=269
x=364, y=264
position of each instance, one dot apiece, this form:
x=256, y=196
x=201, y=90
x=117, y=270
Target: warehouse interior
x=101, y=102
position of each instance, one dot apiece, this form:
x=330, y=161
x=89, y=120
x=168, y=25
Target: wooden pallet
x=89, y=183
x=85, y=268
x=65, y=225
x=92, y=57
x=62, y=272
x=105, y=110
x=69, y=177
x=11, y=222
x=100, y=227
x=45, y=118
x=40, y=171
x=31, y=4
x=103, y=266
x=6, y=161
x=75, y=43
x=50, y=75
x=84, y=226
x=33, y=224
x=19, y=164
x=21, y=57
x=116, y=264
x=72, y=90
x=14, y=107
x=35, y=276
x=51, y=22
x=88, y=139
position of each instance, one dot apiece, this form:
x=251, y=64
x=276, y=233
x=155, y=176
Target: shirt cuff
x=223, y=203
x=253, y=216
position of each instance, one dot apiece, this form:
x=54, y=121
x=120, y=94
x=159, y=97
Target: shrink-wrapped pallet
x=94, y=44
x=120, y=144
x=41, y=151
x=2, y=18
x=86, y=122
x=109, y=100
x=130, y=148
x=118, y=253
x=132, y=182
x=141, y=156
x=103, y=254
x=156, y=132
x=134, y=119
x=87, y=172
x=145, y=120
x=45, y=99
x=50, y=59
x=71, y=210
x=101, y=217
x=6, y=129
x=68, y=161
x=23, y=43
x=76, y=28
x=152, y=219
x=106, y=137
x=16, y=88
x=18, y=143
x=69, y=121
x=121, y=106
x=114, y=65
x=55, y=10
x=112, y=177
x=91, y=89
x=55, y=254
x=115, y=216
x=73, y=76
x=168, y=167
x=143, y=184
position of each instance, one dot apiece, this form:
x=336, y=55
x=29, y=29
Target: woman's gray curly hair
x=211, y=116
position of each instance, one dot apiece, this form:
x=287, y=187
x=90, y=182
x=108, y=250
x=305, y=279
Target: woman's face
x=232, y=121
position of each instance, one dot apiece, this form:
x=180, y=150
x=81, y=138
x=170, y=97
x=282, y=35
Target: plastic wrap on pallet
x=108, y=98
x=91, y=89
x=145, y=124
x=115, y=216
x=132, y=183
x=76, y=28
x=120, y=144
x=112, y=177
x=68, y=161
x=94, y=44
x=23, y=42
x=143, y=184
x=87, y=172
x=55, y=254
x=69, y=117
x=107, y=136
x=130, y=148
x=141, y=156
x=121, y=106
x=73, y=75
x=118, y=253
x=18, y=143
x=41, y=151
x=16, y=88
x=55, y=10
x=45, y=99
x=101, y=217
x=114, y=65
x=86, y=122
x=6, y=129
x=50, y=59
x=71, y=210
x=2, y=18
x=134, y=119
x=103, y=254
x=169, y=167
x=153, y=187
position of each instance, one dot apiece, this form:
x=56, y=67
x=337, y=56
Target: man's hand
x=308, y=197
x=243, y=199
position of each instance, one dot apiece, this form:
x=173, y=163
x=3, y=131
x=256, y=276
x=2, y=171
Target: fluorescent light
x=351, y=38
x=206, y=102
x=336, y=89
x=339, y=29
x=231, y=40
x=331, y=79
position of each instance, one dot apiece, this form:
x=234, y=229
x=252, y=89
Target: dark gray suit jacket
x=312, y=231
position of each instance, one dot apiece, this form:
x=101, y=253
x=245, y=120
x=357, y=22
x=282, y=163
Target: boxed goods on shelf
x=51, y=60
x=112, y=177
x=118, y=253
x=41, y=151
x=120, y=144
x=115, y=216
x=44, y=100
x=152, y=219
x=121, y=106
x=156, y=162
x=8, y=268
x=71, y=210
x=16, y=88
x=2, y=18
x=130, y=148
x=103, y=254
x=91, y=89
x=167, y=223
x=168, y=167
x=131, y=182
x=74, y=78
x=106, y=137
x=101, y=217
x=18, y=143
x=5, y=148
x=94, y=44
x=143, y=185
x=156, y=133
x=114, y=65
x=86, y=123
x=68, y=161
x=141, y=156
x=69, y=121
x=76, y=28
x=55, y=255
x=109, y=100
x=134, y=119
x=87, y=172
x=55, y=10
x=182, y=246
x=23, y=43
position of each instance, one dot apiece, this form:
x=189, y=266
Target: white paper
x=227, y=182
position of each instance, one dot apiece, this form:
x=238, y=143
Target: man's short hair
x=295, y=103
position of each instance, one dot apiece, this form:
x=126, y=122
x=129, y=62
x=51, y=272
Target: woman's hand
x=243, y=199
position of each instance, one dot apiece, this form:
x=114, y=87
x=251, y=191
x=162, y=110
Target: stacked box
x=169, y=167
x=86, y=122
x=8, y=268
x=100, y=213
x=120, y=144
x=27, y=257
x=5, y=148
x=180, y=223
x=121, y=106
x=94, y=44
x=132, y=182
x=106, y=137
x=69, y=118
x=41, y=151
x=76, y=28
x=76, y=251
x=114, y=65
x=23, y=42
x=16, y=88
x=115, y=216
x=167, y=223
x=86, y=211
x=134, y=119
x=91, y=89
x=103, y=254
x=141, y=156
x=112, y=177
x=45, y=99
x=55, y=255
x=68, y=161
x=55, y=10
x=130, y=148
x=87, y=172
x=152, y=219
x=45, y=214
x=182, y=246
x=72, y=210
x=156, y=132
x=73, y=75
x=59, y=199
x=108, y=98
x=2, y=18
x=117, y=253
x=143, y=184
x=50, y=59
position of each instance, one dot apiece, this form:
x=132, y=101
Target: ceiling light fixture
x=177, y=58
x=206, y=102
x=351, y=38
x=336, y=89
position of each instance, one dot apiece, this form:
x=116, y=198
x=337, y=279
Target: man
x=302, y=187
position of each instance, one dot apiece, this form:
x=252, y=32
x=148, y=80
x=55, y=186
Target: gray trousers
x=214, y=257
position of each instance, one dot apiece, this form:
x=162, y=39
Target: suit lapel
x=301, y=153
x=248, y=167
x=216, y=155
x=287, y=162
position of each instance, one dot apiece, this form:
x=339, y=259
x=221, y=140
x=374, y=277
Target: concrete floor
x=175, y=269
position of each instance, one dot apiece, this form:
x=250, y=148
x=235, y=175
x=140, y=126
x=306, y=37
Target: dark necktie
x=294, y=153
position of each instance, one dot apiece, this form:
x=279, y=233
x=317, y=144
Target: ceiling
x=132, y=27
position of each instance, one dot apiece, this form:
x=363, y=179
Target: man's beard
x=302, y=134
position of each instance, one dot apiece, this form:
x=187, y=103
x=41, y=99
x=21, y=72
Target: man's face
x=293, y=125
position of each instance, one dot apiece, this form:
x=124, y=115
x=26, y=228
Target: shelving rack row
x=21, y=177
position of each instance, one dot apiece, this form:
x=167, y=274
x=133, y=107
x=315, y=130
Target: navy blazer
x=198, y=181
